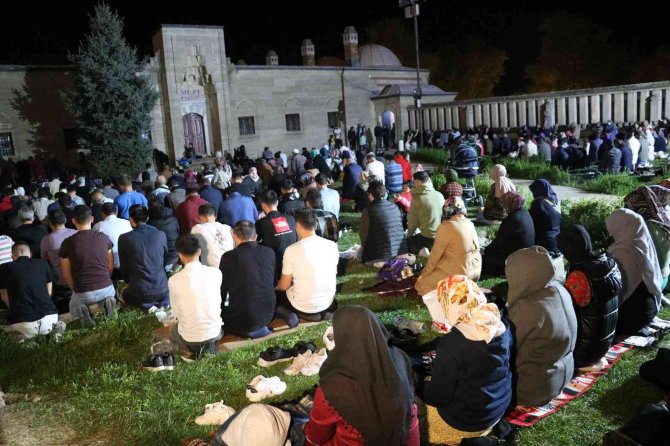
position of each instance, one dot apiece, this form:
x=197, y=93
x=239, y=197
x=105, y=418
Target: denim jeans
x=79, y=303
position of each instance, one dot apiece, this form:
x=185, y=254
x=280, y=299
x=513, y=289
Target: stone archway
x=194, y=133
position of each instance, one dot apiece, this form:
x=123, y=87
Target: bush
x=533, y=169
x=620, y=185
x=440, y=157
x=438, y=180
x=591, y=214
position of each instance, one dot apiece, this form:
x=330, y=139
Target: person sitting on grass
x=25, y=288
x=330, y=197
x=493, y=208
x=595, y=284
x=544, y=326
x=515, y=232
x=365, y=393
x=326, y=226
x=248, y=284
x=381, y=230
x=452, y=188
x=546, y=215
x=425, y=215
x=634, y=252
x=471, y=384
x=456, y=249
x=308, y=282
x=87, y=263
x=195, y=296
x=142, y=256
x=215, y=238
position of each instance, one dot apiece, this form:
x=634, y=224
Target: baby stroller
x=465, y=162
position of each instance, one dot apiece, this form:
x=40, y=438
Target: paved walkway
x=571, y=193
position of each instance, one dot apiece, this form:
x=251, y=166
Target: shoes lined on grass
x=299, y=362
x=159, y=362
x=261, y=387
x=275, y=355
x=215, y=414
x=314, y=363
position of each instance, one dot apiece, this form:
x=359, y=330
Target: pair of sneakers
x=261, y=387
x=215, y=414
x=275, y=355
x=157, y=362
x=308, y=363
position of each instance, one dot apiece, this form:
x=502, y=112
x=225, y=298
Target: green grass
x=92, y=382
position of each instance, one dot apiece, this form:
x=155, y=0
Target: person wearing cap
x=298, y=161
x=352, y=175
x=128, y=197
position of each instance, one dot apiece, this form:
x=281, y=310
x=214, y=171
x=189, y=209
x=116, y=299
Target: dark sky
x=36, y=32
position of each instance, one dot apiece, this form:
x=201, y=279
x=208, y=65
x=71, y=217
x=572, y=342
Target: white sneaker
x=262, y=387
x=424, y=252
x=329, y=338
x=215, y=413
x=298, y=363
x=314, y=363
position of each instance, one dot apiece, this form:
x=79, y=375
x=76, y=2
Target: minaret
x=307, y=52
x=350, y=40
x=271, y=58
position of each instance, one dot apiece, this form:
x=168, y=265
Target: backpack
x=395, y=270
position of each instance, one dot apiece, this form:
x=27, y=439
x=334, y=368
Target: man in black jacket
x=247, y=290
x=381, y=231
x=276, y=230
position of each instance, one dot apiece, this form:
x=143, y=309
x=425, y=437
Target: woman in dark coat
x=595, y=284
x=546, y=216
x=516, y=232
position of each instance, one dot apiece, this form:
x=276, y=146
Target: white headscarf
x=257, y=425
x=634, y=251
x=466, y=309
x=502, y=183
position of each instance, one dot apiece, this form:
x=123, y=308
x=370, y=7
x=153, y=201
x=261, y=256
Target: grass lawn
x=90, y=389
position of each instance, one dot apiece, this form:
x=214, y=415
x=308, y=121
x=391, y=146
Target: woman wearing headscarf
x=471, y=384
x=594, y=282
x=515, y=232
x=544, y=326
x=493, y=208
x=254, y=181
x=456, y=249
x=546, y=215
x=452, y=188
x=319, y=161
x=365, y=394
x=636, y=257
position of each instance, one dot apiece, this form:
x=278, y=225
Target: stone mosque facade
x=213, y=104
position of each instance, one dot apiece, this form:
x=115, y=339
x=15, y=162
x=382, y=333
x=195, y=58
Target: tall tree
x=574, y=54
x=112, y=99
x=479, y=67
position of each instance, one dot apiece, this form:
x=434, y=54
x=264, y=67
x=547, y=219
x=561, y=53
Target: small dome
x=307, y=42
x=272, y=53
x=377, y=56
x=349, y=30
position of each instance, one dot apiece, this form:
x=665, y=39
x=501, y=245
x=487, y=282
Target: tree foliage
x=574, y=54
x=112, y=99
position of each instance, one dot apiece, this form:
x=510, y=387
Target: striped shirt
x=5, y=249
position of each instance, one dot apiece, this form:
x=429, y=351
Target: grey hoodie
x=544, y=327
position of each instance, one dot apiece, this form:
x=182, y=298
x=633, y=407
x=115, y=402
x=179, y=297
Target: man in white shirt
x=215, y=238
x=54, y=185
x=113, y=227
x=308, y=281
x=195, y=296
x=634, y=145
x=375, y=168
x=330, y=197
x=41, y=204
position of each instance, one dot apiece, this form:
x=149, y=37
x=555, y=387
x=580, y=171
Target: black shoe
x=168, y=361
x=401, y=338
x=275, y=355
x=154, y=363
x=301, y=347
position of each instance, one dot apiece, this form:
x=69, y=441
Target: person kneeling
x=471, y=384
x=248, y=282
x=195, y=295
x=25, y=286
x=308, y=282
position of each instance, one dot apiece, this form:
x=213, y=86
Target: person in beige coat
x=456, y=249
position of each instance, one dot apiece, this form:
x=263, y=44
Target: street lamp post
x=412, y=10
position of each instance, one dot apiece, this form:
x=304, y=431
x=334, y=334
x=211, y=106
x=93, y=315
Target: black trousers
x=637, y=312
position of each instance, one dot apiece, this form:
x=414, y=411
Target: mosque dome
x=374, y=55
x=271, y=53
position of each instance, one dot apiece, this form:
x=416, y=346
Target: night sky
x=35, y=32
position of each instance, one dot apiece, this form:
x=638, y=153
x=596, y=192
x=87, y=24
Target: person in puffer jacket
x=381, y=231
x=544, y=326
x=595, y=284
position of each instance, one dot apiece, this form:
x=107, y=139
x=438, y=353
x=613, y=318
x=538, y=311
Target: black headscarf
x=367, y=380
x=575, y=244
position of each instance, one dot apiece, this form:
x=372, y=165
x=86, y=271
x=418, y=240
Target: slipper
x=262, y=387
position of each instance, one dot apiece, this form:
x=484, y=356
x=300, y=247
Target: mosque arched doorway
x=194, y=133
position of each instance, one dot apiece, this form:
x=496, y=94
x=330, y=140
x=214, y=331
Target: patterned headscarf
x=453, y=206
x=649, y=202
x=466, y=309
x=512, y=201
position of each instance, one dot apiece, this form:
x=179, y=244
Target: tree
x=479, y=67
x=652, y=68
x=112, y=99
x=574, y=54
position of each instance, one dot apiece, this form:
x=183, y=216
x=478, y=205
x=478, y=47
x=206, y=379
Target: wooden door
x=194, y=133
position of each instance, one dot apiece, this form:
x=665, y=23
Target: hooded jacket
x=425, y=212
x=544, y=326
